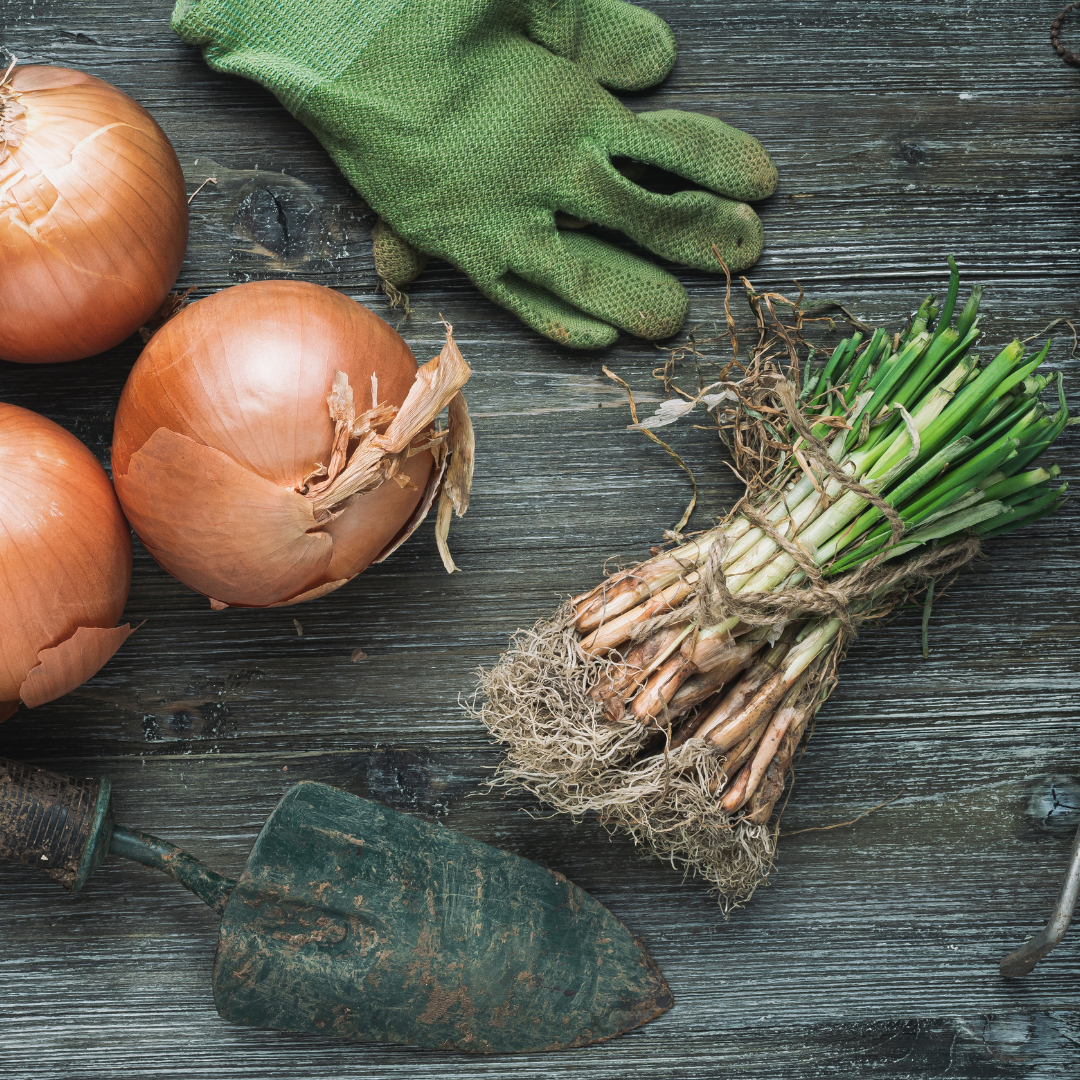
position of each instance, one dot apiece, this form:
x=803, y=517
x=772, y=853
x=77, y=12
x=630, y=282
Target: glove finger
x=699, y=148
x=548, y=315
x=396, y=260
x=610, y=284
x=689, y=227
x=620, y=45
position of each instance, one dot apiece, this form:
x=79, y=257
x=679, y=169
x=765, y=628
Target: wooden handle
x=60, y=824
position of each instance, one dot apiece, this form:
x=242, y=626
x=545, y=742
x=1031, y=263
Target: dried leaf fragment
x=381, y=457
x=462, y=438
x=373, y=462
x=458, y=484
x=675, y=408
x=668, y=413
x=431, y=492
x=442, y=530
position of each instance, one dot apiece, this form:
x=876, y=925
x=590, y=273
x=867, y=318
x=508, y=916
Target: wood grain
x=903, y=133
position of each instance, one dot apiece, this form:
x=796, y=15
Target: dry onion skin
x=93, y=215
x=65, y=562
x=276, y=438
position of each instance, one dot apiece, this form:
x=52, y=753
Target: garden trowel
x=354, y=920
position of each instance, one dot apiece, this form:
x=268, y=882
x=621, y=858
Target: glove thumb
x=397, y=262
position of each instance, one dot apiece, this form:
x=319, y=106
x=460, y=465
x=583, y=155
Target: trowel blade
x=356, y=921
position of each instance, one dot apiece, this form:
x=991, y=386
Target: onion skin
x=223, y=418
x=93, y=215
x=65, y=561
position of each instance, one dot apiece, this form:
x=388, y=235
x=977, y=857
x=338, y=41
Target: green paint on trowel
x=356, y=921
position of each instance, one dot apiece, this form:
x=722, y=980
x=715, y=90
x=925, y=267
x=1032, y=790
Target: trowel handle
x=60, y=824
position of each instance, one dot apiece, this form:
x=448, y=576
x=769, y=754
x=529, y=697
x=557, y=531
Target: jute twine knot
x=853, y=597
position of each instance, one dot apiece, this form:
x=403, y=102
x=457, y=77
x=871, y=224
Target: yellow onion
x=93, y=215
x=276, y=438
x=65, y=561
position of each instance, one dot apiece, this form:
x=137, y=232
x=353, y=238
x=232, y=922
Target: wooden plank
x=903, y=134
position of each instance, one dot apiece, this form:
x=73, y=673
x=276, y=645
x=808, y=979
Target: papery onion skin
x=93, y=215
x=65, y=561
x=224, y=416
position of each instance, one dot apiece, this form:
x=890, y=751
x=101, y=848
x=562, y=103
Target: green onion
x=695, y=726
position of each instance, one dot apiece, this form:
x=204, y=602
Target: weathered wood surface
x=903, y=132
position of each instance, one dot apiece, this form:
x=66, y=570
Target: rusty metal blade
x=357, y=921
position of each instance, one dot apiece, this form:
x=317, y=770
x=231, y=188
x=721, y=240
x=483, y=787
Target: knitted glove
x=475, y=128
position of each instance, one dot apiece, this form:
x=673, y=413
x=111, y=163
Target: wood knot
x=1054, y=804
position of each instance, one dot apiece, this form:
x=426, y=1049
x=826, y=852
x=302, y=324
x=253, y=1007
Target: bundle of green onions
x=671, y=699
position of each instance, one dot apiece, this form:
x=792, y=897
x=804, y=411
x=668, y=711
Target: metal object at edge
x=1022, y=961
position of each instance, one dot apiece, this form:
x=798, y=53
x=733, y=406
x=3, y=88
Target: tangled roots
x=562, y=750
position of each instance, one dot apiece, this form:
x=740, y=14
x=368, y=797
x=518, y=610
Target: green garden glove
x=476, y=128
